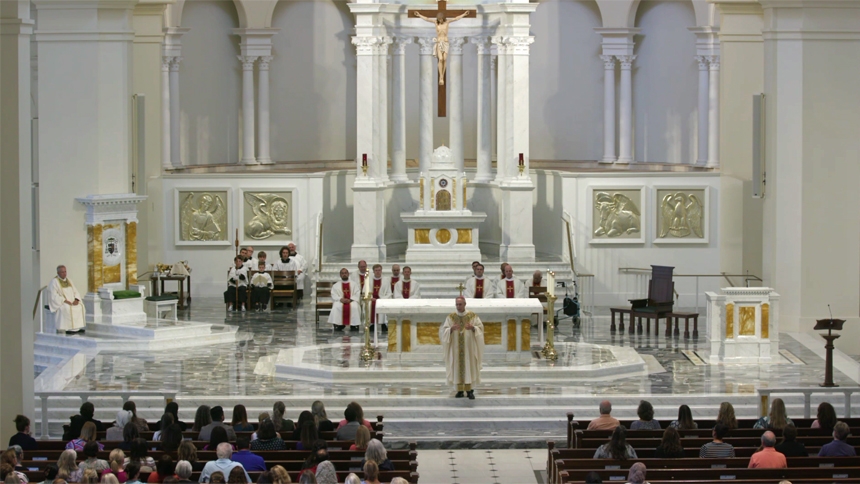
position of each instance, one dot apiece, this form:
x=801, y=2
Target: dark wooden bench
x=686, y=317
x=774, y=475
x=621, y=312
x=323, y=299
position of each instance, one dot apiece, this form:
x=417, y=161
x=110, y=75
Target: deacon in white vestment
x=479, y=287
x=462, y=337
x=380, y=289
x=510, y=288
x=345, y=310
x=302, y=276
x=65, y=303
x=406, y=287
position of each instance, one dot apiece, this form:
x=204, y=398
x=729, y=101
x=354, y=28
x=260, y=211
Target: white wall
x=566, y=74
x=210, y=83
x=665, y=83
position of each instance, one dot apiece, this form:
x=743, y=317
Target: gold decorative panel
x=454, y=193
x=492, y=333
x=443, y=200
x=617, y=214
x=512, y=335
x=94, y=260
x=422, y=236
x=746, y=315
x=765, y=314
x=443, y=235
x=681, y=214
x=428, y=333
x=131, y=253
x=406, y=342
x=392, y=335
x=526, y=334
x=464, y=236
x=730, y=320
x=268, y=216
x=112, y=274
x=421, y=194
x=203, y=216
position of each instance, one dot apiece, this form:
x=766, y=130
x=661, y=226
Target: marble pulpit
x=413, y=326
x=743, y=325
x=442, y=227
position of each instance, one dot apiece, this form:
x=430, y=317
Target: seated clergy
x=65, y=302
x=380, y=289
x=345, y=311
x=475, y=264
x=510, y=288
x=395, y=277
x=261, y=287
x=302, y=279
x=237, y=282
x=407, y=288
x=479, y=287
x=537, y=279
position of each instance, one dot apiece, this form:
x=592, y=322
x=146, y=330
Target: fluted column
x=703, y=109
x=625, y=125
x=263, y=107
x=484, y=140
x=248, y=109
x=494, y=82
x=714, y=111
x=427, y=82
x=501, y=109
x=455, y=87
x=398, y=109
x=382, y=102
x=608, y=109
x=175, y=159
x=165, y=113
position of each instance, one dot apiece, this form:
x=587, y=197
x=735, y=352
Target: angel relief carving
x=682, y=215
x=204, y=220
x=271, y=215
x=618, y=214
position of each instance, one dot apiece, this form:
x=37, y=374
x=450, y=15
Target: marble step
x=150, y=329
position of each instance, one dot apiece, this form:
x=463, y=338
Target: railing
x=586, y=305
x=765, y=393
x=43, y=397
x=318, y=238
x=645, y=273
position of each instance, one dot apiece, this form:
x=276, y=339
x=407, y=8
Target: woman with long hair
x=646, y=417
x=88, y=434
x=267, y=438
x=726, y=416
x=617, y=447
x=825, y=418
x=218, y=435
x=188, y=451
x=309, y=435
x=173, y=409
x=281, y=425
x=685, y=419
x=140, y=423
x=240, y=419
x=171, y=438
x=670, y=447
x=67, y=463
x=362, y=437
x=280, y=475
x=138, y=453
x=202, y=418
x=166, y=421
x=320, y=417
x=776, y=419
x=10, y=458
x=129, y=433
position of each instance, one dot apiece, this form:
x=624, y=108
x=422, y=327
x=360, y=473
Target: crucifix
x=441, y=18
x=461, y=287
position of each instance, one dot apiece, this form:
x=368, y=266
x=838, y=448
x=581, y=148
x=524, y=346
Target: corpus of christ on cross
x=440, y=18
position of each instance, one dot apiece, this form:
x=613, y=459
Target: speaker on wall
x=759, y=174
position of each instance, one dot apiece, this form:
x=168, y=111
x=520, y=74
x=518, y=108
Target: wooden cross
x=441, y=100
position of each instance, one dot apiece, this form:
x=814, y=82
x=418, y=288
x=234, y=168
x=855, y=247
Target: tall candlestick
x=550, y=282
x=367, y=285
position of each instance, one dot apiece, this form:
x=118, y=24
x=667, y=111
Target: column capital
x=703, y=62
x=365, y=45
x=714, y=62
x=482, y=43
x=165, y=62
x=426, y=45
x=608, y=61
x=264, y=62
x=382, y=44
x=498, y=44
x=174, y=63
x=519, y=45
x=247, y=61
x=400, y=43
x=455, y=45
x=626, y=61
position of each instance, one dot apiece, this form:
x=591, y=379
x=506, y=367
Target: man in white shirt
x=223, y=464
x=261, y=287
x=302, y=276
x=237, y=282
x=345, y=310
x=479, y=287
x=395, y=276
x=510, y=288
x=407, y=288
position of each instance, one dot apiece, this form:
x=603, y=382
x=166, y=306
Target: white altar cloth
x=507, y=324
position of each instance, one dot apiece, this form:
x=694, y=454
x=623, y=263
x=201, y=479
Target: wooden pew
x=384, y=476
x=774, y=475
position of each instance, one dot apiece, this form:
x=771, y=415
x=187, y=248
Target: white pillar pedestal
x=625, y=125
x=714, y=112
x=608, y=109
x=368, y=238
x=248, y=134
x=263, y=155
x=516, y=217
x=703, y=110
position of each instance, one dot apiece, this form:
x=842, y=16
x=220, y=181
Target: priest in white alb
x=462, y=337
x=65, y=302
x=406, y=287
x=345, y=311
x=380, y=289
x=302, y=279
x=510, y=288
x=479, y=287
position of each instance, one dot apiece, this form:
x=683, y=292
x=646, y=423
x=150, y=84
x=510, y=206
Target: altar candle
x=367, y=279
x=550, y=282
x=364, y=159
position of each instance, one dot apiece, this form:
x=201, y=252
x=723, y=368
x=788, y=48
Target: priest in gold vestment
x=66, y=303
x=462, y=337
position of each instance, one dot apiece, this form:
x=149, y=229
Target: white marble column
x=484, y=140
x=455, y=89
x=398, y=109
x=364, y=139
x=502, y=158
x=714, y=111
x=608, y=109
x=263, y=107
x=703, y=110
x=165, y=113
x=248, y=108
x=625, y=124
x=427, y=82
x=381, y=160
x=175, y=158
x=494, y=83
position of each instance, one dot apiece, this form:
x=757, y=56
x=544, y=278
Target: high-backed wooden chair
x=661, y=289
x=323, y=299
x=539, y=293
x=285, y=286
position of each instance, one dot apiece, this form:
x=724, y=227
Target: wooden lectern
x=829, y=325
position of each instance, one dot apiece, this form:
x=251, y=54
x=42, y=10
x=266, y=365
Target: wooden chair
x=658, y=304
x=323, y=299
x=285, y=286
x=539, y=293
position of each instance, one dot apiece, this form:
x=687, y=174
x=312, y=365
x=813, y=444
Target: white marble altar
x=743, y=325
x=413, y=326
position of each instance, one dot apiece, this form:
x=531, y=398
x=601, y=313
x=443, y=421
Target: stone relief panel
x=267, y=216
x=617, y=215
x=203, y=217
x=681, y=215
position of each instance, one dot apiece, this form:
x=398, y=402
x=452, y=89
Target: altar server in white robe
x=462, y=337
x=237, y=285
x=479, y=287
x=262, y=258
x=250, y=261
x=510, y=288
x=302, y=276
x=285, y=262
x=345, y=296
x=261, y=287
x=65, y=302
x=406, y=287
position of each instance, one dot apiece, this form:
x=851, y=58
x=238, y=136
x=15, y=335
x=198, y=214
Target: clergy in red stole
x=380, y=290
x=479, y=287
x=395, y=276
x=407, y=288
x=511, y=288
x=345, y=310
